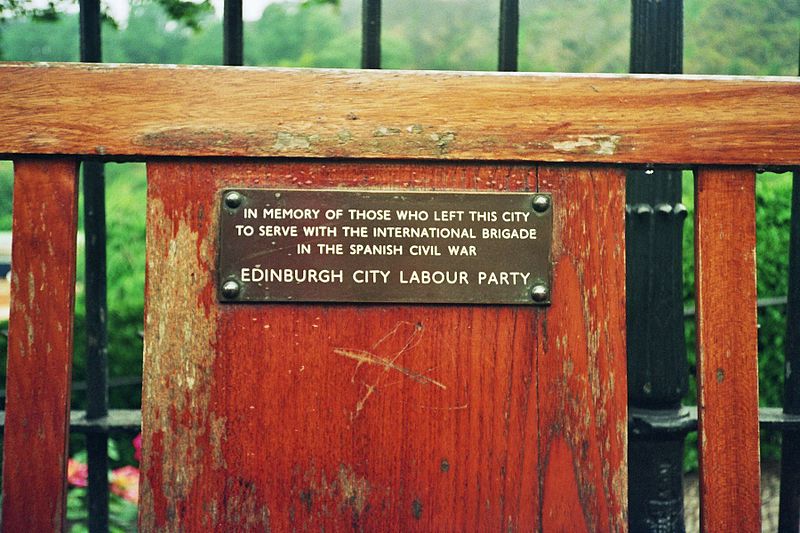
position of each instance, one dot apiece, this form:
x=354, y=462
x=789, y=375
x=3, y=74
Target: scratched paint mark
x=372, y=357
x=360, y=403
x=364, y=356
x=450, y=408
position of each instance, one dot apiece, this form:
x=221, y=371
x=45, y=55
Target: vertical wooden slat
x=727, y=351
x=39, y=345
x=581, y=372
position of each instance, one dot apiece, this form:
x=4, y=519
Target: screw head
x=540, y=203
x=233, y=199
x=540, y=293
x=230, y=289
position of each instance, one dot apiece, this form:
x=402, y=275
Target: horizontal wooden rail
x=132, y=111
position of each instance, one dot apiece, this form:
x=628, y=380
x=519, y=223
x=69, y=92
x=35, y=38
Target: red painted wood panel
x=307, y=417
x=39, y=345
x=727, y=349
x=582, y=363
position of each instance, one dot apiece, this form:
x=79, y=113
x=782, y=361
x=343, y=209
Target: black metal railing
x=657, y=365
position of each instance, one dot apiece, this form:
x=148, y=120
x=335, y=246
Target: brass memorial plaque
x=377, y=246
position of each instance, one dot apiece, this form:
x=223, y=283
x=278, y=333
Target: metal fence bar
x=762, y=303
x=121, y=421
x=657, y=37
x=94, y=221
x=789, y=518
x=657, y=365
x=649, y=423
x=232, y=33
x=641, y=421
x=508, y=36
x=371, y=34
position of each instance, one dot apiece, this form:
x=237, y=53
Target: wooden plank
x=727, y=350
x=290, y=416
x=137, y=111
x=582, y=369
x=39, y=345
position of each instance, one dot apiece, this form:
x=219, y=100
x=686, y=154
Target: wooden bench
x=393, y=416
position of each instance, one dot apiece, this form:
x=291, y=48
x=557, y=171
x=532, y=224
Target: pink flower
x=77, y=473
x=125, y=483
x=137, y=446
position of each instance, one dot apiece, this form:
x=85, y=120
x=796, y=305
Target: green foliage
x=27, y=8
x=160, y=46
x=122, y=514
x=6, y=190
x=748, y=37
x=287, y=35
x=190, y=13
x=590, y=36
x=126, y=194
x=742, y=37
x=35, y=40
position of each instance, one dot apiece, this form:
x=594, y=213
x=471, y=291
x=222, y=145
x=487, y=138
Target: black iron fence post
x=371, y=34
x=508, y=36
x=657, y=366
x=94, y=225
x=232, y=33
x=789, y=519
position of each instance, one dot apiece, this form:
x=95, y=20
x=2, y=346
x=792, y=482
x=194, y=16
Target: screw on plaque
x=540, y=203
x=540, y=293
x=230, y=289
x=233, y=199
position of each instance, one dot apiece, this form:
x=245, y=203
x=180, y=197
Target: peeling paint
x=242, y=510
x=443, y=140
x=190, y=360
x=344, y=135
x=353, y=490
x=285, y=140
x=589, y=144
x=218, y=436
x=384, y=131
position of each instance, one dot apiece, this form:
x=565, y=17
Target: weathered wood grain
x=727, y=350
x=582, y=376
x=288, y=416
x=39, y=345
x=138, y=111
